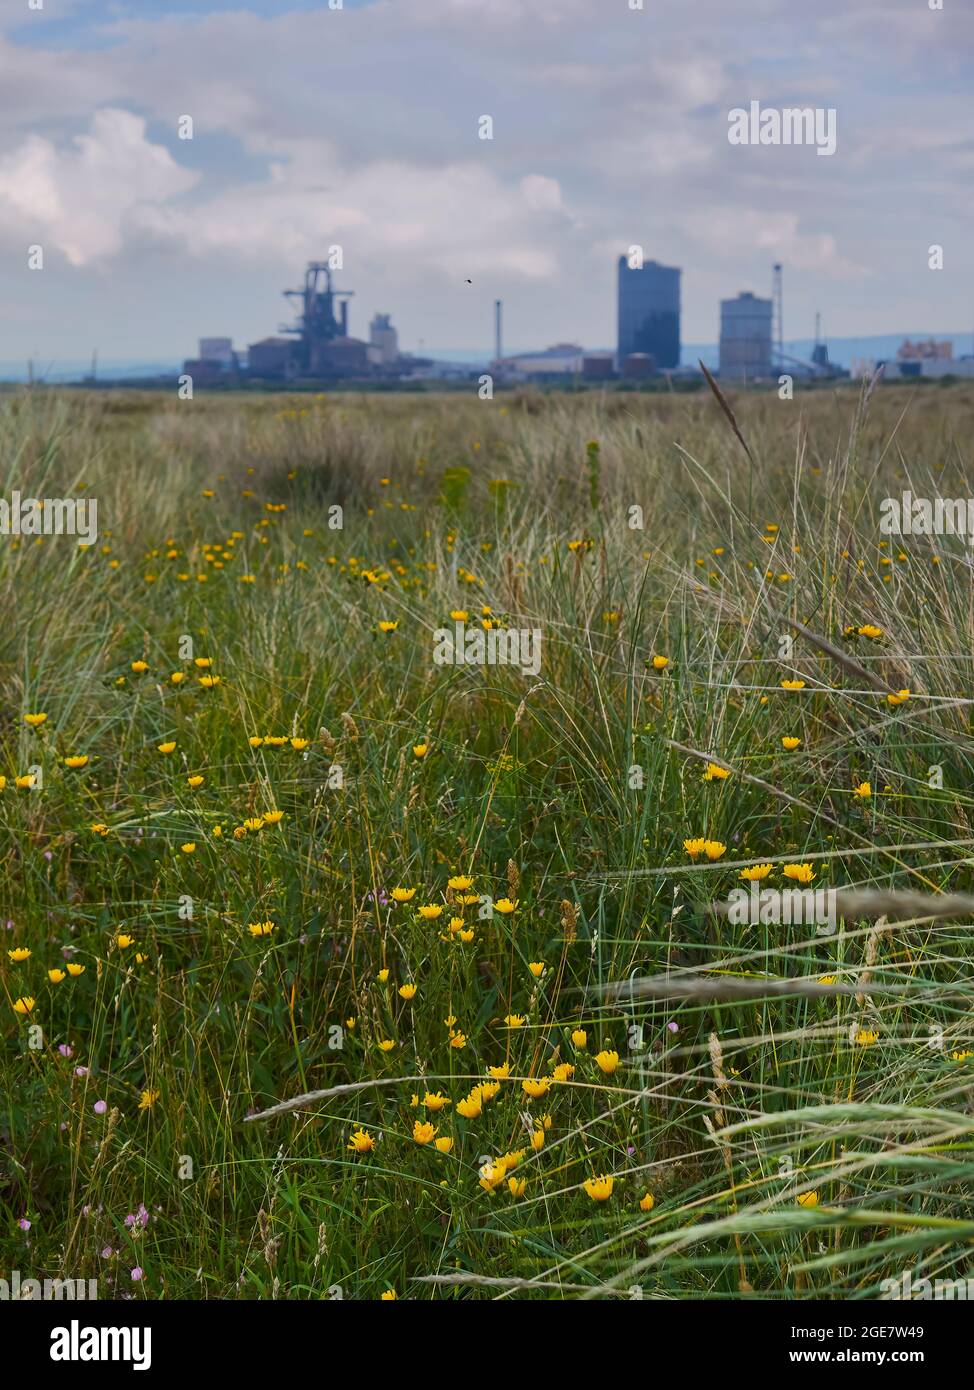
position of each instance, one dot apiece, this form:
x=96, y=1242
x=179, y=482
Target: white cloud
x=736, y=233
x=79, y=199
x=113, y=189
x=449, y=221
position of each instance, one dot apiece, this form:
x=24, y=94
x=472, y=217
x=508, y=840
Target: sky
x=359, y=126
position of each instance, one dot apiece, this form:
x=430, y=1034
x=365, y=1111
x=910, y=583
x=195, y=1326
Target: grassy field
x=199, y=921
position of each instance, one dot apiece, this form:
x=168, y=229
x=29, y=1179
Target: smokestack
x=498, y=304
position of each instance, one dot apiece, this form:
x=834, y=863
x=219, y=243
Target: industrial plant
x=317, y=346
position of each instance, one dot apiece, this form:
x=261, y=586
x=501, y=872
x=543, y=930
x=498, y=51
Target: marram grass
x=248, y=747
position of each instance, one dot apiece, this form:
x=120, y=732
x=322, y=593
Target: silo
x=745, y=337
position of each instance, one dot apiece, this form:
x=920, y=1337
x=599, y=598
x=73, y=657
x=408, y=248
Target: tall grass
x=563, y=792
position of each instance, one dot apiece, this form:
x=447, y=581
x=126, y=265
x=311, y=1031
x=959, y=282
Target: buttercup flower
x=599, y=1189
x=435, y=1100
x=755, y=873
x=535, y=1087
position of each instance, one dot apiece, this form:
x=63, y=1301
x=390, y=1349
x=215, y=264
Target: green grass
x=562, y=791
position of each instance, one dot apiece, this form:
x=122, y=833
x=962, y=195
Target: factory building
x=649, y=312
x=560, y=360
x=216, y=365
x=598, y=366
x=271, y=357
x=637, y=366
x=745, y=337
x=318, y=345
x=218, y=352
x=383, y=341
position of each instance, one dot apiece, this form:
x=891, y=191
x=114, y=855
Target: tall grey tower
x=649, y=311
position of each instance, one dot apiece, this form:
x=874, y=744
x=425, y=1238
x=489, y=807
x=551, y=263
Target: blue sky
x=83, y=23
x=359, y=128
